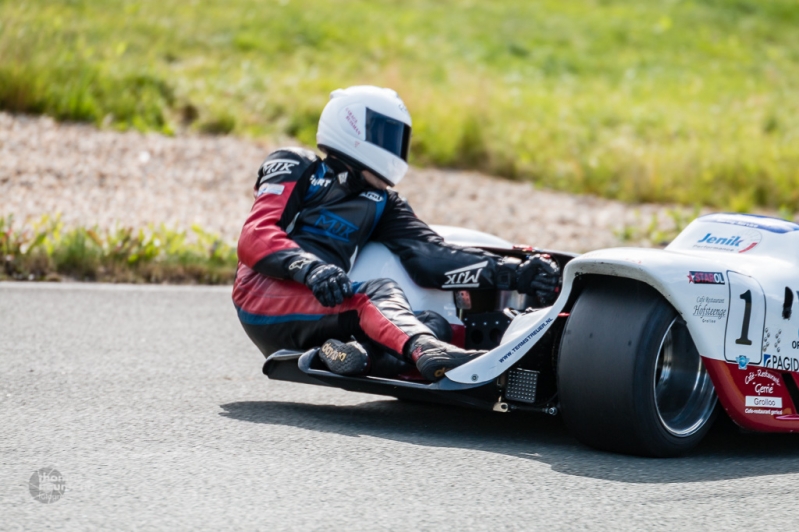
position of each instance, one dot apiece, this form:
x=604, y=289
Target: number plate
x=746, y=319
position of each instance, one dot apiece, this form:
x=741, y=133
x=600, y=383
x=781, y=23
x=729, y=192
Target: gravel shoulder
x=103, y=177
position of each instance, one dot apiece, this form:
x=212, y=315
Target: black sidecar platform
x=305, y=368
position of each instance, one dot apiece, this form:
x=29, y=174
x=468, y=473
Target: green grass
x=46, y=251
x=693, y=101
x=655, y=232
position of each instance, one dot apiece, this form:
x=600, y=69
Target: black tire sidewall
x=613, y=406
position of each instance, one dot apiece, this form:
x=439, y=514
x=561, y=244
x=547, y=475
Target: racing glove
x=539, y=276
x=329, y=284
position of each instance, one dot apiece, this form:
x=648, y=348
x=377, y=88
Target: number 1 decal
x=746, y=318
x=744, y=339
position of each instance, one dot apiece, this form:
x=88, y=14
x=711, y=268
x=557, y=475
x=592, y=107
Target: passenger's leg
x=384, y=314
x=278, y=314
x=387, y=319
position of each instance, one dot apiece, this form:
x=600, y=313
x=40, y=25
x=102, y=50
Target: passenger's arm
x=433, y=263
x=264, y=244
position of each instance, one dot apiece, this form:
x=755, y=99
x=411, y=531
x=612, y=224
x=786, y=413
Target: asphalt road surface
x=150, y=403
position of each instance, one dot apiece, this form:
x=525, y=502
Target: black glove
x=539, y=276
x=329, y=284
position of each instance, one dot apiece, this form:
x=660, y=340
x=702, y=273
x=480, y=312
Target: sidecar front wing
x=294, y=366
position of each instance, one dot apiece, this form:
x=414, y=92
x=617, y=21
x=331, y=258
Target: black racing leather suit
x=308, y=211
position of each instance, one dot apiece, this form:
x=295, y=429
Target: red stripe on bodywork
x=750, y=246
x=733, y=385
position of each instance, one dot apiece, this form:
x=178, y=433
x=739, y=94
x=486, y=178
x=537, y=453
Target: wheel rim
x=684, y=394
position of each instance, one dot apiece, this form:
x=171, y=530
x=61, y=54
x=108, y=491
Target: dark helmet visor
x=388, y=133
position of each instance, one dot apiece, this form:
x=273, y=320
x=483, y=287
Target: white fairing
x=726, y=274
x=522, y=334
x=376, y=261
x=470, y=237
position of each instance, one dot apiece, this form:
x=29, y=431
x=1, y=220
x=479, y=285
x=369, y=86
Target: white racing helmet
x=370, y=126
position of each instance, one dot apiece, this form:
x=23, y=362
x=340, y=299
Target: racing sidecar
x=636, y=351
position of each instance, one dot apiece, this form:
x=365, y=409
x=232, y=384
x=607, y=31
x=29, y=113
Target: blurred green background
x=691, y=101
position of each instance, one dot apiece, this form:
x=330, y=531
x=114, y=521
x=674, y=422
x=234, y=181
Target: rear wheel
x=630, y=378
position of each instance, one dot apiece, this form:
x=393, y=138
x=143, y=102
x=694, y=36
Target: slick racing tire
x=630, y=378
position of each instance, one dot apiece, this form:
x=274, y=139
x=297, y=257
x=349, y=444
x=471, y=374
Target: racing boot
x=433, y=357
x=344, y=358
x=387, y=365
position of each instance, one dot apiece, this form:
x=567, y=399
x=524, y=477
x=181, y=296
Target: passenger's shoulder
x=286, y=165
x=394, y=198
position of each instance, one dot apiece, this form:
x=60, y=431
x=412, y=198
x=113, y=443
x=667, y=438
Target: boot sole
x=343, y=359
